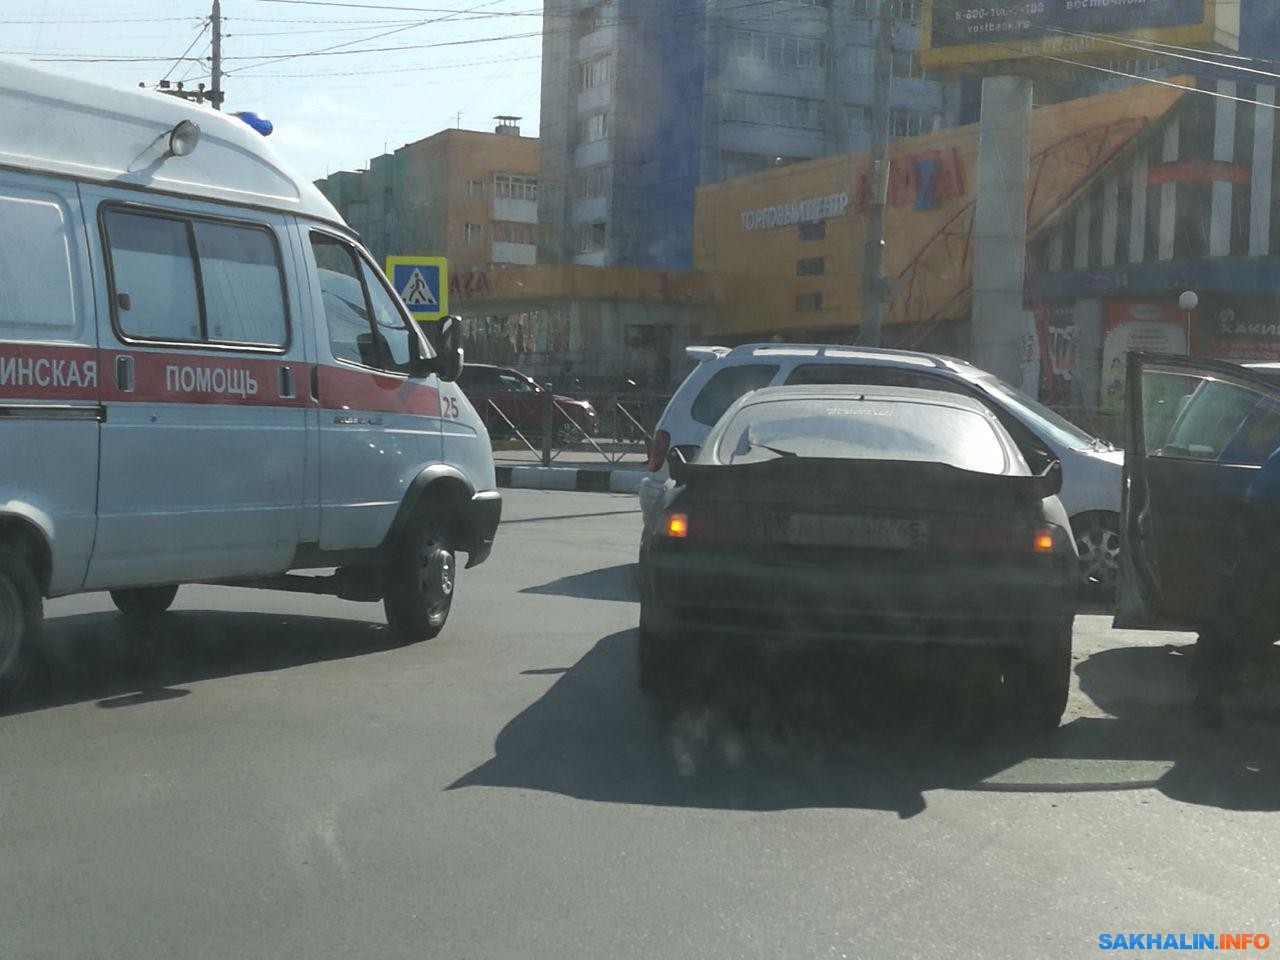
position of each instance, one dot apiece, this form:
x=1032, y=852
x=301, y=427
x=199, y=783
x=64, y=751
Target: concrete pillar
x=1264, y=145
x=1000, y=226
x=1224, y=149
x=1168, y=194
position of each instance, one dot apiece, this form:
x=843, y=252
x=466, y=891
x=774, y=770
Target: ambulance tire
x=419, y=583
x=144, y=601
x=21, y=616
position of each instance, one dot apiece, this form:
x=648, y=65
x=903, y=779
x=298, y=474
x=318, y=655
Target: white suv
x=1091, y=467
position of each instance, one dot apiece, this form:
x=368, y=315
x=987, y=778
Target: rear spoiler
x=703, y=354
x=822, y=473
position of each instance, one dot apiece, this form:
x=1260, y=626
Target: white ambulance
x=204, y=378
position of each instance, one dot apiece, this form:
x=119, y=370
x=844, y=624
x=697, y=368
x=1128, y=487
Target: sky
x=428, y=61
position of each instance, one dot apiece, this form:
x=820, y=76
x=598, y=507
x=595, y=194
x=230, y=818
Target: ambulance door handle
x=124, y=373
x=288, y=388
x=315, y=383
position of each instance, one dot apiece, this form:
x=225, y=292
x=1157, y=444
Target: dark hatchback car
x=507, y=399
x=861, y=517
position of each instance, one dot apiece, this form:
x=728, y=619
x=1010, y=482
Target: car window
x=154, y=276
x=725, y=386
x=1044, y=421
x=1195, y=417
x=881, y=376
x=364, y=323
x=513, y=383
x=36, y=267
x=240, y=275
x=342, y=293
x=185, y=279
x=863, y=430
x=394, y=335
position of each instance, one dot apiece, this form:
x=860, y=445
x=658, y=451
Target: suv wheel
x=144, y=601
x=419, y=584
x=21, y=613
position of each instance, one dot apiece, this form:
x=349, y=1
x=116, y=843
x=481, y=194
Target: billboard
x=959, y=33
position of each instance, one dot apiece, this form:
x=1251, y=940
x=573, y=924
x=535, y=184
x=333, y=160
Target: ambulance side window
x=393, y=332
x=37, y=291
x=154, y=275
x=346, y=312
x=365, y=324
x=184, y=279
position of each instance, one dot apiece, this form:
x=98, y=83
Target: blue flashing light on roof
x=261, y=124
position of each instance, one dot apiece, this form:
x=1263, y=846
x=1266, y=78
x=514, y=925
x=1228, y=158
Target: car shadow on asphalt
x=780, y=744
x=121, y=661
x=607, y=583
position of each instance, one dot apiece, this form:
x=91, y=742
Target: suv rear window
x=726, y=386
x=872, y=375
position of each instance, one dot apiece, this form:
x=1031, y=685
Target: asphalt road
x=266, y=775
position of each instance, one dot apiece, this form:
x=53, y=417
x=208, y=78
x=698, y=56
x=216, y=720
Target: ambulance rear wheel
x=144, y=601
x=21, y=614
x=418, y=585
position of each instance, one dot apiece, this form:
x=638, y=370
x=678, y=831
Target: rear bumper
x=483, y=513
x=739, y=598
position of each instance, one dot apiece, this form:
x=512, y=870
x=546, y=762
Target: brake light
x=677, y=525
x=659, y=446
x=1043, y=541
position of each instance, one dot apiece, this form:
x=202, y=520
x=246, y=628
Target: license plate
x=823, y=530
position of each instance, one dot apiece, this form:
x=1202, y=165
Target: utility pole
x=215, y=22
x=870, y=326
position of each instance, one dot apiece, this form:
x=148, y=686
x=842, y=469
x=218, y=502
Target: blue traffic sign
x=423, y=284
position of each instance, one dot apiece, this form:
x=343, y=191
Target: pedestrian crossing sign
x=423, y=285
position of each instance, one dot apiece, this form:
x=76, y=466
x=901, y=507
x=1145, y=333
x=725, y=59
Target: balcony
x=511, y=210
x=523, y=254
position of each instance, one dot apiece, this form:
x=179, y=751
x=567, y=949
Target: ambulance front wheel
x=419, y=584
x=21, y=614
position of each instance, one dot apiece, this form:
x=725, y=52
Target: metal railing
x=624, y=427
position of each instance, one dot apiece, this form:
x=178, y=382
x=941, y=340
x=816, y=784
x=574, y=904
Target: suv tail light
x=659, y=446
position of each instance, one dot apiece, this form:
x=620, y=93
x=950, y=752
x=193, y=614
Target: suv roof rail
x=703, y=354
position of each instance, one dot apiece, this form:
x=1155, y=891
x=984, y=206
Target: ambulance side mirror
x=445, y=337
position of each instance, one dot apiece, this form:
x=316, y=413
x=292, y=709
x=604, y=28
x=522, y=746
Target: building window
x=908, y=10
x=781, y=53
x=808, y=302
x=908, y=123
x=811, y=266
x=515, y=186
x=474, y=233
x=594, y=73
x=475, y=188
x=591, y=184
x=859, y=120
x=513, y=233
x=813, y=230
x=591, y=237
x=906, y=64
x=591, y=19
x=764, y=108
x=594, y=127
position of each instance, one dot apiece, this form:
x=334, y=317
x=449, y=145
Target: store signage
x=471, y=284
x=799, y=211
x=962, y=33
x=957, y=22
x=921, y=181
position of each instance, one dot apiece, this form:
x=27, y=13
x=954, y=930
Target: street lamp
x=1187, y=302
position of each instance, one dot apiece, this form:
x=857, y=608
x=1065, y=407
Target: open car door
x=1197, y=434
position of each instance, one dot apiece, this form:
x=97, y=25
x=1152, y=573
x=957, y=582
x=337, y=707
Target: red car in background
x=523, y=401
